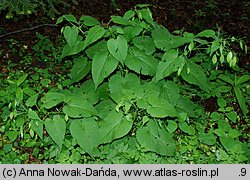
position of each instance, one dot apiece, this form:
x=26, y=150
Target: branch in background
x=27, y=29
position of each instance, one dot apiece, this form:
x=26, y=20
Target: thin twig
x=26, y=29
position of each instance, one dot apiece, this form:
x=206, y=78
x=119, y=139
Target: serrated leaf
x=33, y=115
x=186, y=105
x=141, y=63
x=86, y=132
x=52, y=99
x=170, y=92
x=56, y=128
x=89, y=21
x=79, y=70
x=102, y=66
x=145, y=43
x=196, y=76
x=160, y=108
x=162, y=37
x=118, y=48
x=157, y=139
x=187, y=128
x=95, y=33
x=31, y=101
x=114, y=126
x=165, y=69
x=79, y=107
x=164, y=40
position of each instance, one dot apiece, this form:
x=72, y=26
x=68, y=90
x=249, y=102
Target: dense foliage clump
x=135, y=93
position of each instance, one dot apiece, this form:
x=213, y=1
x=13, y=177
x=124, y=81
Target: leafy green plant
x=132, y=89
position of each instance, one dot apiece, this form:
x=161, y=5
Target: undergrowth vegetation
x=128, y=91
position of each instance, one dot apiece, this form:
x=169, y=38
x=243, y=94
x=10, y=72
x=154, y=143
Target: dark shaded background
x=232, y=17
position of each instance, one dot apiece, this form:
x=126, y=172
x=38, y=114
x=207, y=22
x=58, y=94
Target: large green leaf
x=33, y=114
x=86, y=132
x=162, y=37
x=227, y=79
x=155, y=138
x=170, y=63
x=160, y=108
x=145, y=43
x=118, y=48
x=114, y=126
x=56, y=128
x=102, y=66
x=164, y=40
x=88, y=91
x=80, y=69
x=92, y=50
x=132, y=31
x=187, y=106
x=207, y=138
x=94, y=34
x=72, y=50
x=139, y=62
x=32, y=100
x=194, y=74
x=52, y=99
x=70, y=34
x=124, y=88
x=89, y=21
x=170, y=92
x=242, y=80
x=187, y=128
x=228, y=142
x=206, y=33
x=79, y=107
x=37, y=126
x=122, y=20
x=21, y=79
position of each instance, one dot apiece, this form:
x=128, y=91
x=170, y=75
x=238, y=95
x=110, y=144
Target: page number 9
x=243, y=172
